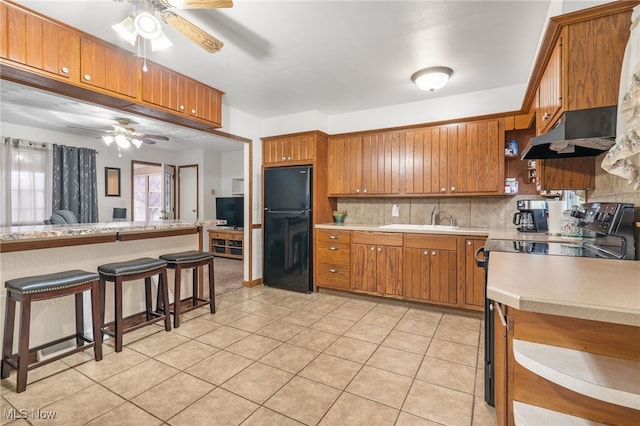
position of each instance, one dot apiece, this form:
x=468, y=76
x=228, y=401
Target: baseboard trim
x=252, y=283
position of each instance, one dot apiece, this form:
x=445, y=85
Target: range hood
x=580, y=133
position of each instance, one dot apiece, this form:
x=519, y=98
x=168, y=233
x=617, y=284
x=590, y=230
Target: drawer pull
x=333, y=248
x=65, y=70
x=333, y=271
x=87, y=77
x=333, y=237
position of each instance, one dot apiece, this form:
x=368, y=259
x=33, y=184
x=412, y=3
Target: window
x=26, y=182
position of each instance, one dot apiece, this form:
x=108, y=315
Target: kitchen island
x=42, y=249
x=566, y=338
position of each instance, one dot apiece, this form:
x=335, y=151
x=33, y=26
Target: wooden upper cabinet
x=568, y=173
x=109, y=68
x=38, y=43
x=550, y=91
x=296, y=148
x=344, y=165
x=380, y=164
x=204, y=102
x=476, y=159
x=365, y=165
x=426, y=160
x=164, y=88
x=457, y=158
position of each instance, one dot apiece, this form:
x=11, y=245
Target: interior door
x=188, y=192
x=168, y=191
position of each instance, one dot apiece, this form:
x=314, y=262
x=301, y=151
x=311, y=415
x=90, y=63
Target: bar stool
x=190, y=260
x=119, y=272
x=30, y=289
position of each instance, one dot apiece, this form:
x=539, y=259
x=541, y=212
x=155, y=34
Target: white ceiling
x=285, y=57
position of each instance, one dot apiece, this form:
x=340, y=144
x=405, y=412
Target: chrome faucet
x=434, y=214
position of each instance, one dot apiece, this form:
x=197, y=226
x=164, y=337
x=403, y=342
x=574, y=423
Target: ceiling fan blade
x=193, y=4
x=91, y=129
x=148, y=136
x=205, y=40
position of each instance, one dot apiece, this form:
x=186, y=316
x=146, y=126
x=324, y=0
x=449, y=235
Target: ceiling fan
x=142, y=22
x=124, y=134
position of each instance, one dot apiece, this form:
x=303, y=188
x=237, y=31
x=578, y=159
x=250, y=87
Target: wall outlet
x=395, y=210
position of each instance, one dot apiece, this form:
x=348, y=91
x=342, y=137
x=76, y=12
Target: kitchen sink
x=416, y=227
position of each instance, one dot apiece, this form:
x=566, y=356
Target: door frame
x=149, y=163
x=197, y=189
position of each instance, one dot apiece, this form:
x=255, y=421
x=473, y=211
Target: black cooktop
x=581, y=248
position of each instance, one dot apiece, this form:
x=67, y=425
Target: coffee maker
x=532, y=216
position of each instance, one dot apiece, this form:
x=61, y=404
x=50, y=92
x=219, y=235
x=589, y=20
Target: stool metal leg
x=162, y=281
x=96, y=314
x=212, y=293
x=118, y=313
x=79, y=320
x=7, y=342
x=23, y=344
x=176, y=296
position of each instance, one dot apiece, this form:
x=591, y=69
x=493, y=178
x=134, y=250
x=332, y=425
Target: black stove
x=612, y=227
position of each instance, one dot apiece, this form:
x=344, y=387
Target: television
x=230, y=209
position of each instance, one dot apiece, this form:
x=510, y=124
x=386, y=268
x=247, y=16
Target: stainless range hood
x=581, y=133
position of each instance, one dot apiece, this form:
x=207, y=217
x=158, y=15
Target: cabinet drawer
x=334, y=275
x=378, y=238
x=331, y=235
x=339, y=253
x=438, y=242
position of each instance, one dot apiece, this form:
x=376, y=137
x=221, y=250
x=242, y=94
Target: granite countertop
x=39, y=232
x=492, y=233
x=568, y=286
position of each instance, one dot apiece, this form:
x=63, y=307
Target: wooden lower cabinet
x=376, y=263
x=430, y=262
x=474, y=276
x=333, y=259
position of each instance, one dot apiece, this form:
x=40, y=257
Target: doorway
x=188, y=190
x=152, y=191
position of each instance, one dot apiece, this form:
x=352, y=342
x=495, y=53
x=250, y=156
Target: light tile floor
x=272, y=357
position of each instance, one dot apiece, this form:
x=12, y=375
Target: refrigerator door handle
x=288, y=211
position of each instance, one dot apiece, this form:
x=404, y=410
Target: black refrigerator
x=287, y=228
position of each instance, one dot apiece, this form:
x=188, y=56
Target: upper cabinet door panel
x=381, y=163
x=550, y=90
x=30, y=40
x=163, y=87
x=108, y=68
x=345, y=166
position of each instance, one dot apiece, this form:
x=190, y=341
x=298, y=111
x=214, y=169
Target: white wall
x=231, y=167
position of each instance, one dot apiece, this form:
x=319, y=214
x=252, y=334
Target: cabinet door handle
x=193, y=111
x=443, y=189
x=333, y=237
x=501, y=314
x=365, y=191
x=426, y=252
x=379, y=248
x=453, y=189
x=433, y=253
x=468, y=243
x=288, y=158
x=333, y=248
x=87, y=77
x=284, y=158
x=65, y=70
x=358, y=190
x=373, y=248
x=181, y=107
x=333, y=271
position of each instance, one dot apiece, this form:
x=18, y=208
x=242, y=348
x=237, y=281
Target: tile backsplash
x=484, y=212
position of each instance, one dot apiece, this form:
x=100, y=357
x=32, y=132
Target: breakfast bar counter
x=43, y=249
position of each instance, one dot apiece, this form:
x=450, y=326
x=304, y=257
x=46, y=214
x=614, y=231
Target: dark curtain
x=74, y=182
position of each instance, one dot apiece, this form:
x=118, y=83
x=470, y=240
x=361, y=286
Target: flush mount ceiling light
x=432, y=78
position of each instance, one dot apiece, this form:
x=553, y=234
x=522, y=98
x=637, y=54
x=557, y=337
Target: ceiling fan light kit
x=432, y=78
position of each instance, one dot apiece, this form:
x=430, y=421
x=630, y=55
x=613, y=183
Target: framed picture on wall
x=111, y=182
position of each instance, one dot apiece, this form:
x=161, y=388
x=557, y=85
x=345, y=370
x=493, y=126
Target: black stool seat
x=194, y=260
x=131, y=267
x=48, y=282
x=187, y=256
x=42, y=287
